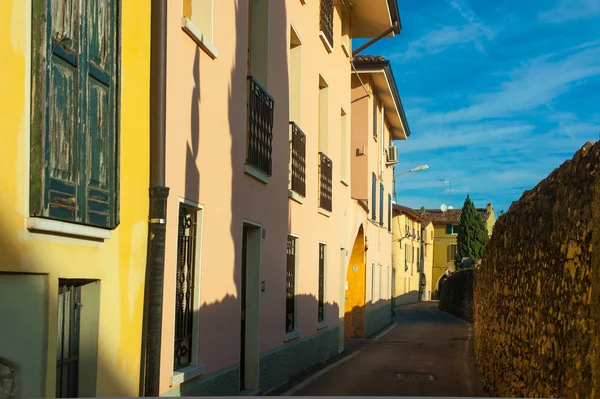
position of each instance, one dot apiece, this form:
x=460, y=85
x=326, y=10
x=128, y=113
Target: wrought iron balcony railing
x=260, y=127
x=326, y=19
x=325, y=182
x=298, y=160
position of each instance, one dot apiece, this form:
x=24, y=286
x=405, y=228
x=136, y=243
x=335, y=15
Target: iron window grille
x=325, y=182
x=290, y=301
x=326, y=19
x=185, y=286
x=298, y=160
x=260, y=127
x=67, y=349
x=321, y=299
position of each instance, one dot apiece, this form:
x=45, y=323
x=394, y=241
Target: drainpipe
x=157, y=222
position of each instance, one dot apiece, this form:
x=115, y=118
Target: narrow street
x=425, y=352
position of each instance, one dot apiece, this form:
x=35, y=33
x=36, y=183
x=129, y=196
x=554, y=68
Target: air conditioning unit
x=392, y=155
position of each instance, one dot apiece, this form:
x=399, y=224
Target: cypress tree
x=472, y=234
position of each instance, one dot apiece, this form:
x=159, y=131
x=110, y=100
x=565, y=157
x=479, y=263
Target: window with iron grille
x=374, y=197
x=381, y=196
x=74, y=115
x=326, y=20
x=260, y=127
x=298, y=160
x=290, y=289
x=321, y=299
x=185, y=281
x=325, y=182
x=67, y=345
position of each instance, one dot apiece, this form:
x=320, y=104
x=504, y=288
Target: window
x=451, y=229
x=380, y=281
x=374, y=197
x=381, y=196
x=452, y=252
x=291, y=318
x=295, y=77
x=372, y=282
x=199, y=23
x=326, y=22
x=323, y=114
x=258, y=53
x=74, y=123
x=77, y=324
x=375, y=115
x=321, y=299
x=186, y=294
x=344, y=151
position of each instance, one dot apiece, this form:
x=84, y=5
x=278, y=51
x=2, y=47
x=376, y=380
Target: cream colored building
x=412, y=251
x=261, y=167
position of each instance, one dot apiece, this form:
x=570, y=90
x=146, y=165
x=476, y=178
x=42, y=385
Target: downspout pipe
x=158, y=193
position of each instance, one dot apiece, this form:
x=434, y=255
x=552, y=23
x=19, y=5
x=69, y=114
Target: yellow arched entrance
x=354, y=304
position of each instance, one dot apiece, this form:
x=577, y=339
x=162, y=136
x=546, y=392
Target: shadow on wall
x=409, y=297
x=456, y=296
x=24, y=334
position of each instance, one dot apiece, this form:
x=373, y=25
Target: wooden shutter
x=389, y=212
x=381, y=195
x=448, y=229
x=100, y=145
x=374, y=197
x=73, y=139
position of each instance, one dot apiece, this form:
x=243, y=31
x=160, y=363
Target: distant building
x=445, y=232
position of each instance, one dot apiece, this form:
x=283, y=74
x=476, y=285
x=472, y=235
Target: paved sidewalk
x=426, y=352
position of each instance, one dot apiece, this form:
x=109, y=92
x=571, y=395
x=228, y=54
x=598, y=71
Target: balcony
x=326, y=20
x=325, y=182
x=298, y=160
x=260, y=127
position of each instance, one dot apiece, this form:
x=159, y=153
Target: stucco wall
x=119, y=261
x=536, y=292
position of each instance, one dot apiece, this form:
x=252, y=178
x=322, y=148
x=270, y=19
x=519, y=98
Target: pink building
x=278, y=183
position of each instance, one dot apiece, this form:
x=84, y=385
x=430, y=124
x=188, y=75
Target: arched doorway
x=442, y=278
x=354, y=301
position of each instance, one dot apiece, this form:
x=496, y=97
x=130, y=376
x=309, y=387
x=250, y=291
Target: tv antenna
x=444, y=191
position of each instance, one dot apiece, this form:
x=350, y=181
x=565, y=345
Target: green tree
x=472, y=234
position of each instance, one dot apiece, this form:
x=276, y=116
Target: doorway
x=354, y=303
x=250, y=307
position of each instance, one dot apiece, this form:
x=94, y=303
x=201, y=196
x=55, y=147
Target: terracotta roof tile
x=369, y=58
x=451, y=215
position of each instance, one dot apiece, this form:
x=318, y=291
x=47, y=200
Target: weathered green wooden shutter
x=374, y=197
x=448, y=229
x=73, y=146
x=381, y=196
x=100, y=146
x=389, y=212
x=63, y=76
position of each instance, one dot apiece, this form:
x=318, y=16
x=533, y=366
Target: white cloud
x=439, y=40
x=533, y=84
x=569, y=10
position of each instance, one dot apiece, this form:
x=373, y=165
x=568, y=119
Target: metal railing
x=298, y=160
x=325, y=182
x=326, y=19
x=260, y=127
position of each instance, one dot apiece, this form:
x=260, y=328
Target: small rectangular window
x=454, y=229
x=201, y=15
x=452, y=252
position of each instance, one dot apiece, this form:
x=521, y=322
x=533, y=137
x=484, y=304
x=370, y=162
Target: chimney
x=489, y=208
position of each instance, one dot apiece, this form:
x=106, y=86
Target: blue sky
x=497, y=94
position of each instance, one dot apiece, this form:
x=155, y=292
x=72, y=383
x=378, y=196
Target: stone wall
x=456, y=295
x=536, y=291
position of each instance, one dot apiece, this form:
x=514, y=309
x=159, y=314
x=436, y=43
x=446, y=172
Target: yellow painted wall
x=118, y=262
x=441, y=261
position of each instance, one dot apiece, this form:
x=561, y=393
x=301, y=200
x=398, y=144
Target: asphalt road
x=426, y=352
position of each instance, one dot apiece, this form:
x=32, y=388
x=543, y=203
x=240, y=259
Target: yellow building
x=445, y=232
x=74, y=79
x=412, y=256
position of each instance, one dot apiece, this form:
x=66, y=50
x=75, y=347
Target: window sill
x=345, y=182
x=324, y=212
x=295, y=196
x=291, y=336
x=326, y=43
x=66, y=228
x=187, y=373
x=188, y=26
x=322, y=325
x=256, y=173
